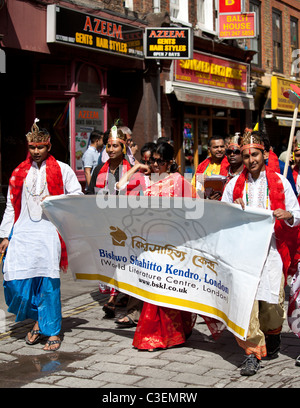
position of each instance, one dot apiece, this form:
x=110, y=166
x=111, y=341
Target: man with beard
x=215, y=164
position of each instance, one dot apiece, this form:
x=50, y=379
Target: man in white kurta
x=31, y=267
x=268, y=310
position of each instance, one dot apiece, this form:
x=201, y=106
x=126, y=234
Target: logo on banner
x=118, y=236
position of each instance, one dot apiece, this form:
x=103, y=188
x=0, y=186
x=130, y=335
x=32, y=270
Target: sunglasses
x=160, y=162
x=235, y=151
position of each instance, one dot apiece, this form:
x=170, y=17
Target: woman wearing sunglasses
x=161, y=327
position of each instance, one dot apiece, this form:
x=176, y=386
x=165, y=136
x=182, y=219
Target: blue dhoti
x=37, y=299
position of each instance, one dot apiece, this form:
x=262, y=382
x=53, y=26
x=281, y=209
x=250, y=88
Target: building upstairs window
x=205, y=15
x=174, y=8
x=277, y=41
x=294, y=47
x=255, y=43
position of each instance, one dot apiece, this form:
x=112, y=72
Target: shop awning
x=287, y=121
x=211, y=96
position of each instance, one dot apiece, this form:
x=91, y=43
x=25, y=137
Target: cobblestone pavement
x=95, y=353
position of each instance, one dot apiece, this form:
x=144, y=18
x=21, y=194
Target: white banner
x=198, y=255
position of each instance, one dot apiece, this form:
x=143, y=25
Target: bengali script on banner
x=197, y=255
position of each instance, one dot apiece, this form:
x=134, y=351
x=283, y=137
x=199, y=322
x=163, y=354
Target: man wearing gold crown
x=104, y=180
x=259, y=186
x=35, y=252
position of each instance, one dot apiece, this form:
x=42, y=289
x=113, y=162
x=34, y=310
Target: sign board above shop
x=66, y=26
x=278, y=100
x=208, y=70
x=168, y=43
x=237, y=25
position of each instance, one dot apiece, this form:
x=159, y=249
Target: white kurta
x=34, y=249
x=269, y=286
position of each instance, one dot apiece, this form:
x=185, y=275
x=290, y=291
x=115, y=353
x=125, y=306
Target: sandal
x=128, y=323
x=109, y=309
x=50, y=343
x=33, y=333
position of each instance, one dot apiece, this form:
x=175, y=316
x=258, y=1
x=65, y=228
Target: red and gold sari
x=158, y=326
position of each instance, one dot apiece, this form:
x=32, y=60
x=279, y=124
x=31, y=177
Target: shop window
x=190, y=109
x=203, y=112
x=220, y=113
x=188, y=145
x=89, y=112
x=203, y=131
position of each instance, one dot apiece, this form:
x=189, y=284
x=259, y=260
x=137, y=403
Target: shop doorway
x=200, y=123
x=117, y=111
x=54, y=116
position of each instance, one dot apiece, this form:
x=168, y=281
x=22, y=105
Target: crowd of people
x=248, y=174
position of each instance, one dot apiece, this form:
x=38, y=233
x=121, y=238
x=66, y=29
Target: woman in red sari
x=163, y=327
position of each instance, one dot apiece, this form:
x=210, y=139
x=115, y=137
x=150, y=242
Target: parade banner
x=190, y=254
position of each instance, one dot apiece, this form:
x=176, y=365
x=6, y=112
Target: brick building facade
x=59, y=80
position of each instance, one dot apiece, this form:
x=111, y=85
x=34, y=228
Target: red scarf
x=55, y=187
x=223, y=170
x=273, y=162
x=286, y=237
x=295, y=174
x=102, y=175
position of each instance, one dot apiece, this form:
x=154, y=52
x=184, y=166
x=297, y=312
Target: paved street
x=95, y=353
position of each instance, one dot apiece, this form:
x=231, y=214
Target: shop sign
x=230, y=6
x=87, y=120
x=66, y=26
x=168, y=43
x=238, y=25
x=278, y=100
x=205, y=69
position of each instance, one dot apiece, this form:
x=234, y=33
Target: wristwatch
x=291, y=217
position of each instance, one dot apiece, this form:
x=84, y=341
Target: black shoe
x=297, y=362
x=273, y=345
x=109, y=310
x=250, y=366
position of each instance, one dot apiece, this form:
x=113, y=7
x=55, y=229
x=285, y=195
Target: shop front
x=278, y=114
x=213, y=93
x=78, y=73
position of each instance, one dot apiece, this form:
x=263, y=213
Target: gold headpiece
x=251, y=140
x=37, y=136
x=234, y=142
x=117, y=135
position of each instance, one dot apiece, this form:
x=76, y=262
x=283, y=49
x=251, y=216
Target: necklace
x=259, y=194
x=34, y=187
x=230, y=174
x=38, y=183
